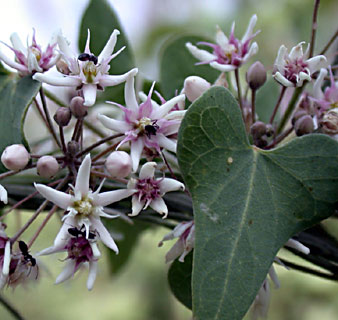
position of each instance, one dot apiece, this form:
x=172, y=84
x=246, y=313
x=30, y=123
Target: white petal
x=249, y=30
x=3, y=195
x=303, y=76
x=222, y=67
x=114, y=80
x=317, y=87
x=298, y=246
x=136, y=206
x=167, y=143
x=175, y=251
x=61, y=199
x=7, y=258
x=87, y=48
x=280, y=60
x=159, y=206
x=104, y=235
x=282, y=80
x=109, y=47
x=89, y=94
x=92, y=274
x=63, y=235
x=252, y=51
x=168, y=185
x=116, y=125
x=274, y=277
x=32, y=63
x=12, y=63
x=136, y=149
x=58, y=81
x=297, y=51
x=200, y=54
x=67, y=272
x=317, y=62
x=160, y=112
x=221, y=38
x=83, y=176
x=175, y=115
x=148, y=170
x=17, y=43
x=64, y=47
x=106, y=198
x=129, y=94
x=95, y=249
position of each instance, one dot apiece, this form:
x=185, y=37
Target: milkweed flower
x=31, y=59
x=147, y=124
x=80, y=250
x=84, y=207
x=86, y=71
x=5, y=255
x=148, y=191
x=291, y=69
x=228, y=53
x=185, y=232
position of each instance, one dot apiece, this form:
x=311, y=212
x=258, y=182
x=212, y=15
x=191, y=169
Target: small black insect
x=87, y=57
x=24, y=250
x=151, y=129
x=75, y=232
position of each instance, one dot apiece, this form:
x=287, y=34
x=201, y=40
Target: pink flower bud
x=256, y=75
x=47, y=166
x=78, y=109
x=194, y=87
x=15, y=157
x=119, y=164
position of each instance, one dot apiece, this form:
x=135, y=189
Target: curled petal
x=317, y=62
x=159, y=206
x=222, y=67
x=280, y=60
x=175, y=251
x=297, y=51
x=317, y=87
x=298, y=246
x=61, y=199
x=109, y=47
x=58, y=81
x=282, y=80
x=147, y=170
x=200, y=54
x=168, y=185
x=113, y=80
x=136, y=205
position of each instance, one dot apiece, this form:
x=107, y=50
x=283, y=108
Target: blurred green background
x=140, y=291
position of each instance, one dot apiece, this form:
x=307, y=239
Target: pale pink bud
x=47, y=166
x=62, y=116
x=119, y=164
x=15, y=157
x=194, y=87
x=78, y=109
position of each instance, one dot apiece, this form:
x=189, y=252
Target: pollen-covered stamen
x=148, y=190
x=90, y=71
x=84, y=206
x=293, y=68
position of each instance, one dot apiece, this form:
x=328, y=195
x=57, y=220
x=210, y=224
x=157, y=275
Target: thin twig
x=52, y=97
x=239, y=90
x=168, y=166
x=333, y=38
x=314, y=27
x=253, y=106
x=11, y=309
x=281, y=95
x=62, y=138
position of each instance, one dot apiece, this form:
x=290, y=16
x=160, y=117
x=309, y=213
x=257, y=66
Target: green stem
x=10, y=308
x=290, y=108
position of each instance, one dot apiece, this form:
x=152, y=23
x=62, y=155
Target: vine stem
x=314, y=28
x=281, y=95
x=239, y=91
x=10, y=308
x=333, y=38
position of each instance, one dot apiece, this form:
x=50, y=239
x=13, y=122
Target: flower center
x=79, y=249
x=36, y=52
x=293, y=68
x=90, y=71
x=148, y=189
x=84, y=206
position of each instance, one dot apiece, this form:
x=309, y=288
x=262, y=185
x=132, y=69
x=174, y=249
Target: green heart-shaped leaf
x=247, y=202
x=177, y=63
x=101, y=20
x=15, y=97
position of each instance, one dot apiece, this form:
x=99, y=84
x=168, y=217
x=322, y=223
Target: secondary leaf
x=247, y=202
x=101, y=20
x=177, y=63
x=15, y=97
x=179, y=277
